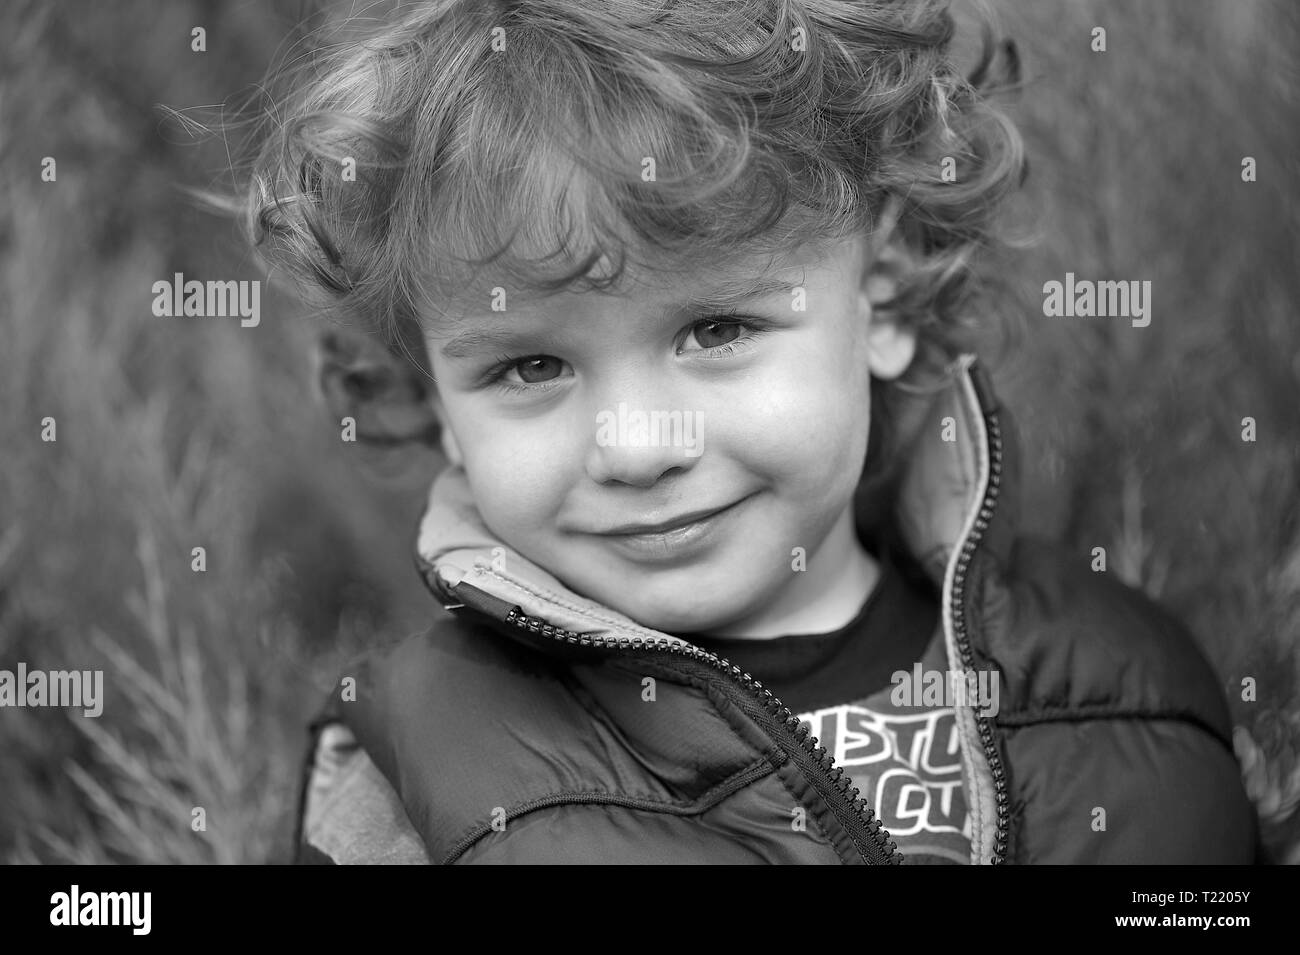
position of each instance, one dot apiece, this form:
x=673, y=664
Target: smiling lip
x=639, y=530
x=682, y=538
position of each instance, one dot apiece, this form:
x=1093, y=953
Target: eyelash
x=495, y=376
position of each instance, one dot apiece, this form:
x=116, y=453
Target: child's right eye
x=536, y=369
x=528, y=374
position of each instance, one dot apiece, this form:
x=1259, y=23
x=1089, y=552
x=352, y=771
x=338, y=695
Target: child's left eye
x=713, y=334
x=720, y=335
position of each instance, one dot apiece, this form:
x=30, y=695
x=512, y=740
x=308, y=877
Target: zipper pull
x=482, y=601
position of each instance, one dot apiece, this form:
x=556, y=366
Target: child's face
x=761, y=436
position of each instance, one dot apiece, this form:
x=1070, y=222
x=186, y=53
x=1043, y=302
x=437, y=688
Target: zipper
x=983, y=724
x=867, y=832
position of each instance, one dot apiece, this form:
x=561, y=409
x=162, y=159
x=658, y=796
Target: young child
x=727, y=544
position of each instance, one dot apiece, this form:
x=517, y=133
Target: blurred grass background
x=181, y=433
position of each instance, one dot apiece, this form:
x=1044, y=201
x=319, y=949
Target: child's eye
x=712, y=334
x=720, y=336
x=528, y=374
x=537, y=369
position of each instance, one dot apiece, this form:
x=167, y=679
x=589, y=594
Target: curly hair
x=470, y=128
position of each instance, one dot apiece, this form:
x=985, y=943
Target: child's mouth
x=675, y=539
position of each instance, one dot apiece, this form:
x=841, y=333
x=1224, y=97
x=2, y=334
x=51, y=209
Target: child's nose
x=638, y=446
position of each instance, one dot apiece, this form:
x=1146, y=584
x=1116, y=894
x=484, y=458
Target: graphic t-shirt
x=904, y=760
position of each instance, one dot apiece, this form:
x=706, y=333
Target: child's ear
x=891, y=341
x=385, y=396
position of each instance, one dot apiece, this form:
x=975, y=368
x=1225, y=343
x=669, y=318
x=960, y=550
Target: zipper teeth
x=771, y=704
x=984, y=724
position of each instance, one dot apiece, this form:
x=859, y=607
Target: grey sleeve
x=353, y=815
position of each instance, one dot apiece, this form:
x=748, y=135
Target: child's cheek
x=806, y=428
x=519, y=473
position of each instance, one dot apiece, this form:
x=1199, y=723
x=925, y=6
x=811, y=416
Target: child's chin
x=695, y=598
x=670, y=613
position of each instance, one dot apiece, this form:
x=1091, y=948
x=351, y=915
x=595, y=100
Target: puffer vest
x=517, y=727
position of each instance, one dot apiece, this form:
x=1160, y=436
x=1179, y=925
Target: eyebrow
x=730, y=294
x=722, y=298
